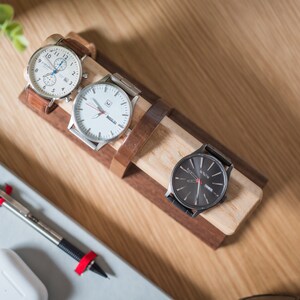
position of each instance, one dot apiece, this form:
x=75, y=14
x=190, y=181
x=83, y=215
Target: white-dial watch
x=55, y=71
x=102, y=111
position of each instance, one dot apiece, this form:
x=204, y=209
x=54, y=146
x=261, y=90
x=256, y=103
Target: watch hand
x=98, y=105
x=93, y=107
x=97, y=115
x=191, y=173
x=47, y=66
x=55, y=71
x=191, y=180
x=198, y=190
x=49, y=74
x=50, y=62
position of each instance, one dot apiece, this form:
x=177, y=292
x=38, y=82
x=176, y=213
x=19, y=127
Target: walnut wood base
x=139, y=180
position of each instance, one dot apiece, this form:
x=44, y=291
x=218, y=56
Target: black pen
x=24, y=214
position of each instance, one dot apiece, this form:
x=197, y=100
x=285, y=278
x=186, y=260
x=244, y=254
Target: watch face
x=199, y=181
x=54, y=71
x=102, y=111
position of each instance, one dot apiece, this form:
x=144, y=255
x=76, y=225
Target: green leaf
x=20, y=42
x=6, y=13
x=13, y=29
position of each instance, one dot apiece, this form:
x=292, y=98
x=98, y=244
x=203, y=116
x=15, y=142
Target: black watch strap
x=218, y=154
x=180, y=206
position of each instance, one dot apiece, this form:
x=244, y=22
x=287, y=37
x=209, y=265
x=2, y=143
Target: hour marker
x=217, y=183
x=216, y=174
x=88, y=131
x=208, y=188
x=206, y=199
x=179, y=178
x=120, y=125
x=80, y=121
x=79, y=108
x=191, y=161
x=187, y=196
x=124, y=115
x=123, y=103
x=201, y=162
x=84, y=98
x=116, y=93
x=179, y=189
x=99, y=135
x=94, y=91
x=111, y=133
x=181, y=167
x=105, y=89
x=211, y=165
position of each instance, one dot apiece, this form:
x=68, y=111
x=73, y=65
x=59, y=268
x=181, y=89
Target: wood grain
x=233, y=68
x=138, y=179
x=138, y=137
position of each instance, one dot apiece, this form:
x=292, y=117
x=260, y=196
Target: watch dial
x=102, y=111
x=54, y=71
x=199, y=181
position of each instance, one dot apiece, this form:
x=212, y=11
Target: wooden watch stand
x=159, y=137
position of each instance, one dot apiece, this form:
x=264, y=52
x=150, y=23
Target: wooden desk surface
x=234, y=68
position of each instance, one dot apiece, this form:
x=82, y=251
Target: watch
x=199, y=181
x=102, y=111
x=55, y=71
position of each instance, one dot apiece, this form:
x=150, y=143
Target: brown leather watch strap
x=89, y=45
x=38, y=103
x=77, y=47
x=138, y=137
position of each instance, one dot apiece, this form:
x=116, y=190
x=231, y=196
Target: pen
x=23, y=213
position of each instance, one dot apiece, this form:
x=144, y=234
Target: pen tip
x=96, y=269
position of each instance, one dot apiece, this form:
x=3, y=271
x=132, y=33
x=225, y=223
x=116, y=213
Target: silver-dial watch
x=102, y=111
x=55, y=71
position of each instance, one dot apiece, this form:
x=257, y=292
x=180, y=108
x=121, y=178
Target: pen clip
x=14, y=204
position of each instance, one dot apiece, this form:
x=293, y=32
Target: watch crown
x=85, y=75
x=68, y=99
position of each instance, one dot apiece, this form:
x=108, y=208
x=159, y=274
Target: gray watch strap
x=126, y=85
x=180, y=206
x=218, y=154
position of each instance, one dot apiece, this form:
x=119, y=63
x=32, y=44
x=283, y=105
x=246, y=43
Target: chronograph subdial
x=54, y=72
x=49, y=79
x=60, y=64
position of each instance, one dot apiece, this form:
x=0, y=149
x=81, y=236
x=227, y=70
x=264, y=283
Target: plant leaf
x=6, y=13
x=20, y=42
x=13, y=29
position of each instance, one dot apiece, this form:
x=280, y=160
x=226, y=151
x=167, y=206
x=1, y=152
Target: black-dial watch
x=199, y=181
